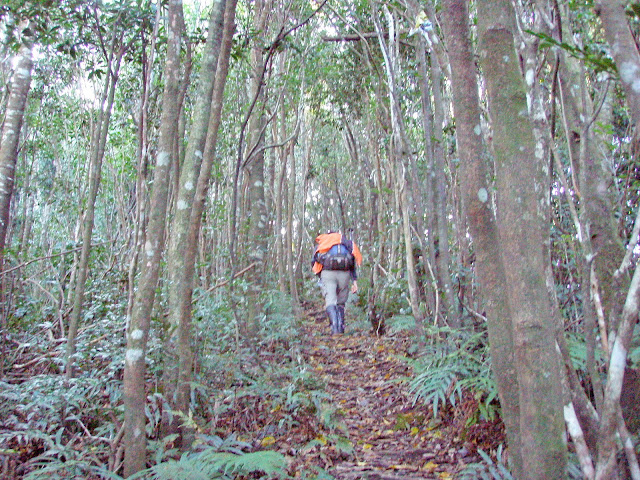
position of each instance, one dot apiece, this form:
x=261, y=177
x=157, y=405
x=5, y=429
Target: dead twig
x=225, y=282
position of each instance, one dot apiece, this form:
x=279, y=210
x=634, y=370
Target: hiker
x=334, y=261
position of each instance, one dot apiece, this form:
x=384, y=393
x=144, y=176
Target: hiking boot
x=334, y=318
x=340, y=318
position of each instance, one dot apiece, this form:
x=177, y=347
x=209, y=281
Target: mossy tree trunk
x=521, y=207
x=477, y=201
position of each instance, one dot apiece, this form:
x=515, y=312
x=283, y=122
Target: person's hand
x=354, y=287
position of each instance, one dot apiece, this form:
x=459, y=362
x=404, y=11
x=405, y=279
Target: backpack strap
x=347, y=243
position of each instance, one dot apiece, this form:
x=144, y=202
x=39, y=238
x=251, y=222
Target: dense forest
x=165, y=166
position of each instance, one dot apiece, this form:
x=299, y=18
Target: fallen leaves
x=389, y=433
x=267, y=441
x=381, y=433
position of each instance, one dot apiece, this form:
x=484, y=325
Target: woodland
x=165, y=166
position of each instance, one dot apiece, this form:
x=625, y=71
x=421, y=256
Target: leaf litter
x=391, y=436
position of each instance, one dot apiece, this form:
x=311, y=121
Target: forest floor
x=392, y=437
x=335, y=406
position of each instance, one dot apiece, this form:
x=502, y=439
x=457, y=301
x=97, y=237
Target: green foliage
x=213, y=464
x=62, y=428
x=45, y=417
x=592, y=53
x=488, y=469
x=69, y=468
x=46, y=402
x=399, y=323
x=496, y=468
x=634, y=351
x=454, y=364
x=578, y=351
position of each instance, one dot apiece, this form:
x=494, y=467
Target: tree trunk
x=182, y=254
x=138, y=331
x=398, y=152
x=258, y=220
x=283, y=154
x=521, y=209
x=11, y=127
x=96, y=156
x=624, y=50
x=142, y=155
x=439, y=181
x=607, y=247
x=293, y=289
x=606, y=466
x=477, y=201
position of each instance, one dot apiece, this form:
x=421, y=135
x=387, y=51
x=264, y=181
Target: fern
x=271, y=463
x=212, y=464
x=399, y=323
x=434, y=386
x=488, y=469
x=458, y=363
x=68, y=469
x=188, y=466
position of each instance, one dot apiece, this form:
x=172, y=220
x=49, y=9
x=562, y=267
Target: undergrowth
x=453, y=364
x=254, y=400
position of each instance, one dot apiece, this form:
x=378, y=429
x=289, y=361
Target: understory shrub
x=455, y=362
x=249, y=387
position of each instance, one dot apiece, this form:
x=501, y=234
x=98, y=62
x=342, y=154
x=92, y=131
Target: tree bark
x=439, y=182
x=138, y=330
x=96, y=156
x=398, y=152
x=521, y=209
x=606, y=466
x=10, y=135
x=258, y=220
x=624, y=51
x=142, y=155
x=477, y=201
x=181, y=253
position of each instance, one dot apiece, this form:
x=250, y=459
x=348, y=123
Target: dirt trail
x=392, y=438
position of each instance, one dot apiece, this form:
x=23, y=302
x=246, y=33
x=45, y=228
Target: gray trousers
x=335, y=287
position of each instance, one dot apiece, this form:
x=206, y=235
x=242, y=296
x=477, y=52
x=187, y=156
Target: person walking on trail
x=335, y=260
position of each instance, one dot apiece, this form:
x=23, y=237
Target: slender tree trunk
x=606, y=466
x=521, y=210
x=438, y=182
x=96, y=157
x=11, y=127
x=138, y=331
x=181, y=254
x=283, y=153
x=293, y=289
x=258, y=220
x=423, y=198
x=400, y=150
x=142, y=155
x=625, y=53
x=474, y=175
x=624, y=50
x=601, y=246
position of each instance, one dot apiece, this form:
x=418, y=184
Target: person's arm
x=354, y=287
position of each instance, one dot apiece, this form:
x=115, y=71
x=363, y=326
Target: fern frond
x=488, y=468
x=271, y=463
x=193, y=467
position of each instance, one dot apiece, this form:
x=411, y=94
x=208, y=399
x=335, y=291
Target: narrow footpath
x=391, y=437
